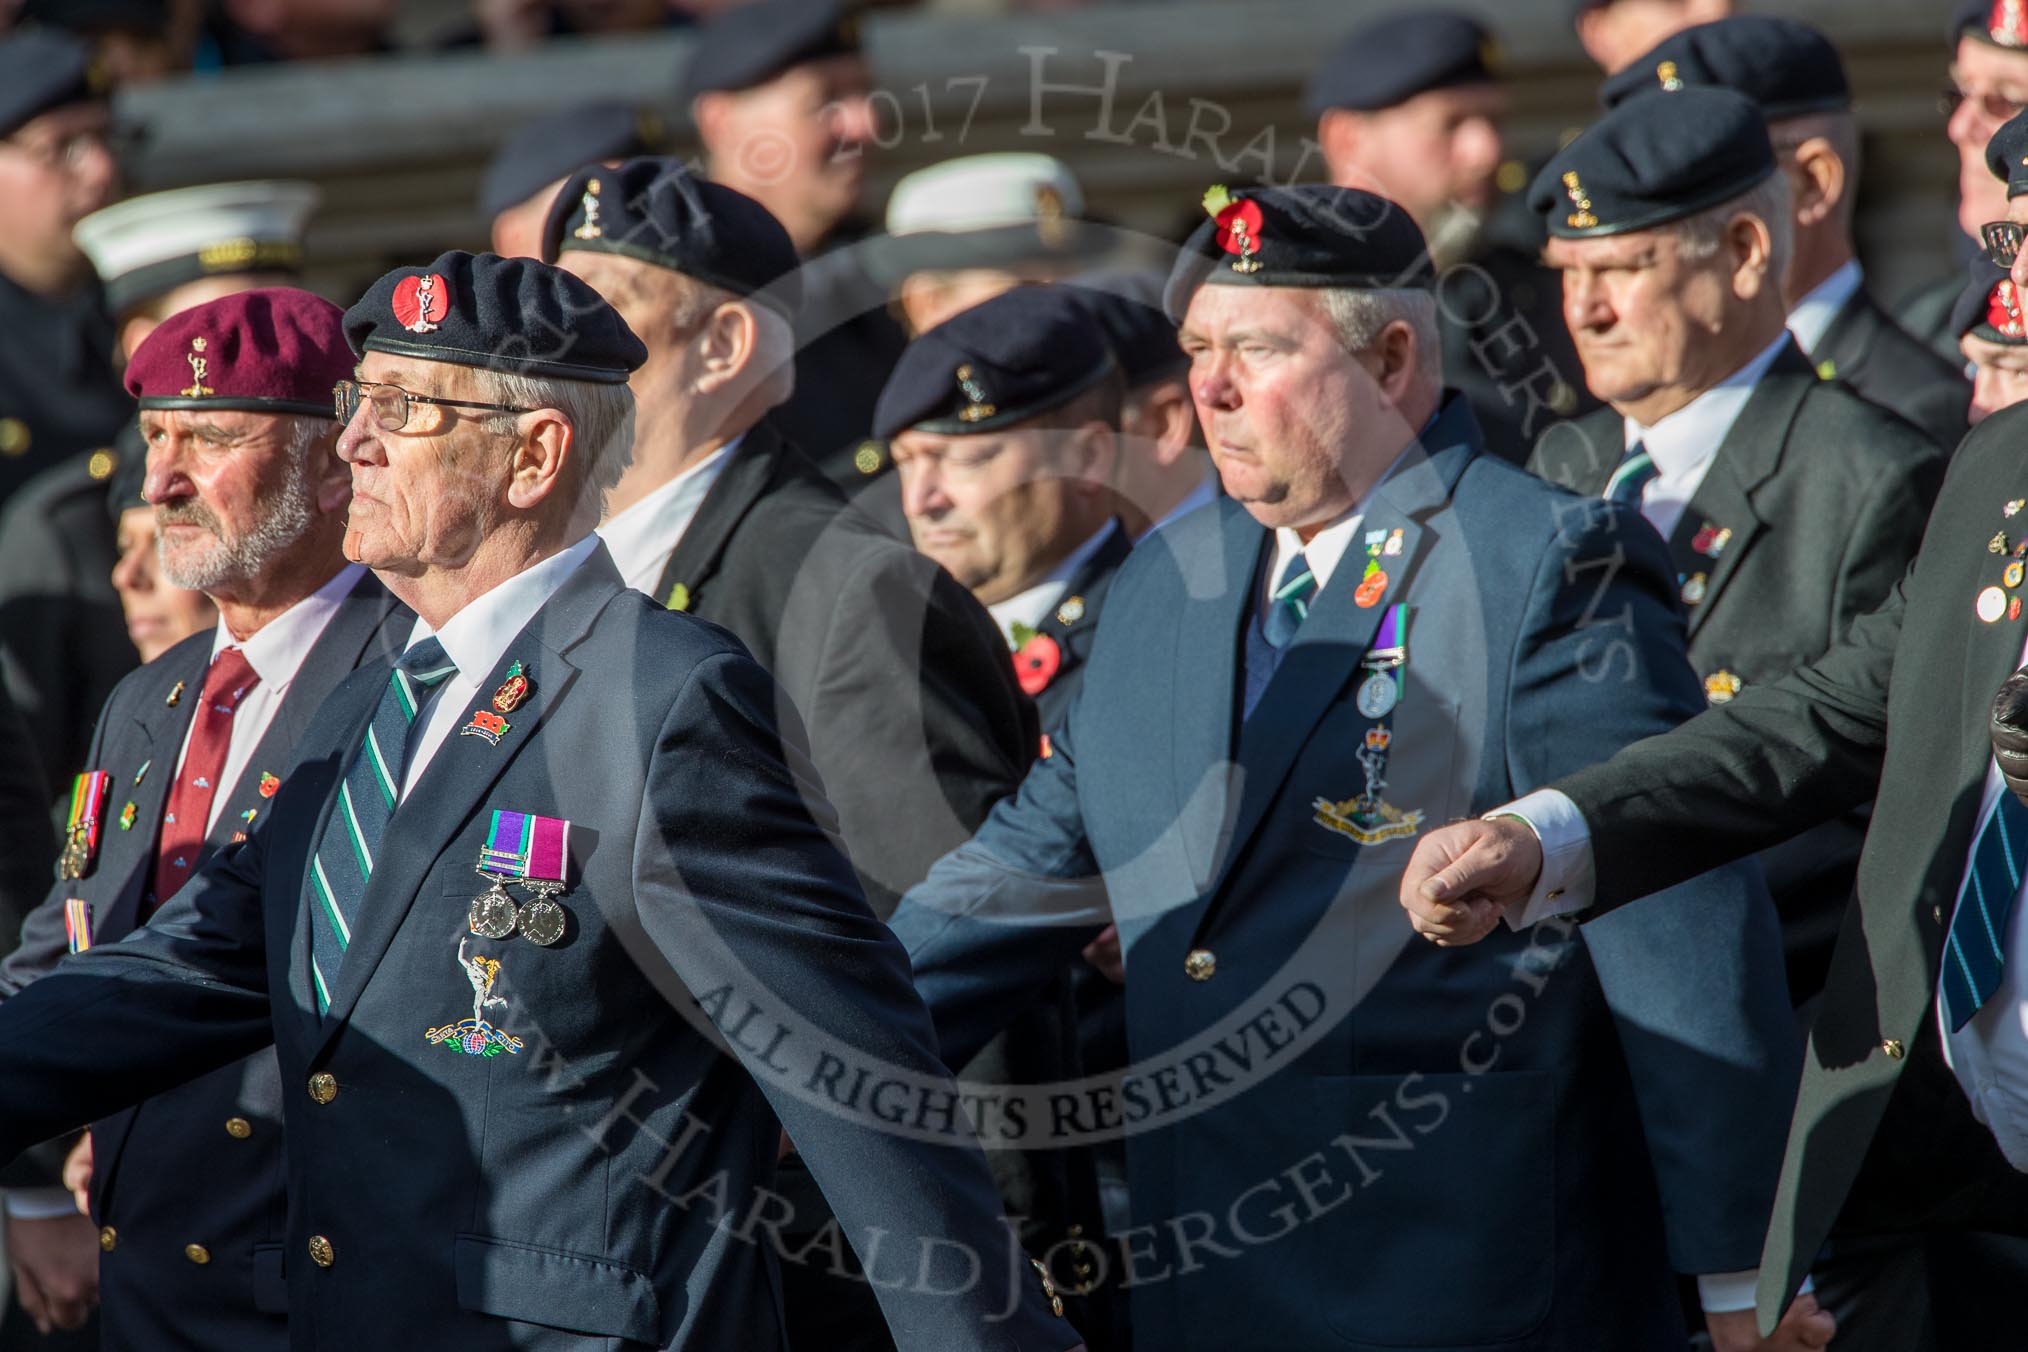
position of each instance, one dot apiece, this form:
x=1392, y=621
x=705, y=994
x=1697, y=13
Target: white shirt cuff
x=40, y=1204
x=1725, y=1292
x=1567, y=883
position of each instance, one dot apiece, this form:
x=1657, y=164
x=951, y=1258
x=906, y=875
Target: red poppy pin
x=420, y=301
x=1238, y=222
x=1036, y=663
x=269, y=784
x=1370, y=589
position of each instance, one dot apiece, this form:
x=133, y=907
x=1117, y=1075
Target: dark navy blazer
x=1339, y=1135
x=202, y=1163
x=603, y=1184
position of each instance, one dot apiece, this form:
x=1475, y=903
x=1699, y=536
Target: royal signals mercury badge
x=475, y=1036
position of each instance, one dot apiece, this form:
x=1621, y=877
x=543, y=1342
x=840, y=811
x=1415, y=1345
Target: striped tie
x=344, y=858
x=1289, y=602
x=1972, y=953
x=1632, y=477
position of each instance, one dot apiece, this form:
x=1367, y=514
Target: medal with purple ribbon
x=533, y=851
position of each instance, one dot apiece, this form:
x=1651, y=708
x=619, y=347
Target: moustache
x=186, y=512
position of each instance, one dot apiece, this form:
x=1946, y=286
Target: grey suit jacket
x=1888, y=366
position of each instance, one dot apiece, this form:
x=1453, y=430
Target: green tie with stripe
x=344, y=858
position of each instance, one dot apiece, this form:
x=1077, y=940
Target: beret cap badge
x=1581, y=219
x=978, y=409
x=200, y=367
x=1239, y=225
x=2003, y=310
x=591, y=229
x=420, y=301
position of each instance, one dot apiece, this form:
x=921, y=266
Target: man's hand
x=77, y=1173
x=56, y=1269
x=2010, y=732
x=1805, y=1326
x=1104, y=954
x=1462, y=876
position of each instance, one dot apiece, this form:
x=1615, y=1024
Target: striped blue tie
x=1632, y=477
x=1972, y=949
x=344, y=858
x=1289, y=603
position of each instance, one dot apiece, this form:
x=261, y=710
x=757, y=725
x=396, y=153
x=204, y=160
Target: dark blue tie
x=344, y=858
x=1973, y=949
x=1632, y=476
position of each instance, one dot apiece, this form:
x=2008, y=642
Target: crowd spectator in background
x=158, y=613
x=532, y=164
x=1615, y=32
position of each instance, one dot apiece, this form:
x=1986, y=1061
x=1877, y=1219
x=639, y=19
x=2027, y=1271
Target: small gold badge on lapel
x=1721, y=686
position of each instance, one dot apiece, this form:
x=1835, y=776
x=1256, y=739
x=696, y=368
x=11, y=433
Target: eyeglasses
x=391, y=403
x=72, y=150
x=2003, y=241
x=1993, y=108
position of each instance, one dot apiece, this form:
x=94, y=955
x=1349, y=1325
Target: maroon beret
x=274, y=350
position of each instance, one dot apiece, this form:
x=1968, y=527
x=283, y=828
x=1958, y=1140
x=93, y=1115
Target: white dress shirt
x=1684, y=443
x=275, y=652
x=1029, y=608
x=1811, y=319
x=643, y=536
x=476, y=638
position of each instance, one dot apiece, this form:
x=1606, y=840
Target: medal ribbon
x=87, y=803
x=1389, y=652
x=525, y=846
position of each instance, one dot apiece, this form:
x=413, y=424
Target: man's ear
x=1173, y=418
x=1819, y=181
x=708, y=113
x=548, y=445
x=1397, y=361
x=1750, y=248
x=1092, y=458
x=725, y=347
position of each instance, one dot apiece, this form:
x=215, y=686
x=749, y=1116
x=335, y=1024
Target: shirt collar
x=643, y=536
x=276, y=650
x=476, y=637
x=1689, y=437
x=1811, y=319
x=1029, y=608
x=1328, y=545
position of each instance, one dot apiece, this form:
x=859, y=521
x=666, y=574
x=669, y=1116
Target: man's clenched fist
x=1462, y=877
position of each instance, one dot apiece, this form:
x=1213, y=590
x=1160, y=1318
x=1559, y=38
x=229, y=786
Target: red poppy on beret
x=274, y=350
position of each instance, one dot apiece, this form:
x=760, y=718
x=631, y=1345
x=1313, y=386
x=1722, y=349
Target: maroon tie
x=189, y=810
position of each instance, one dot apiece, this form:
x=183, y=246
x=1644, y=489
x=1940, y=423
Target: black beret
x=655, y=210
x=2007, y=155
x=1127, y=303
x=1012, y=358
x=1652, y=161
x=2001, y=23
x=1785, y=66
x=1392, y=59
x=556, y=146
x=503, y=314
x=129, y=475
x=1311, y=235
x=1989, y=307
x=44, y=70
x=750, y=44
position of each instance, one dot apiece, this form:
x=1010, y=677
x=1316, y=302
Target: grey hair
x=601, y=418
x=1361, y=316
x=282, y=517
x=1698, y=237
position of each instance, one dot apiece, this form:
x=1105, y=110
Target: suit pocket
x=270, y=1285
x=1455, y=1174
x=555, y=1288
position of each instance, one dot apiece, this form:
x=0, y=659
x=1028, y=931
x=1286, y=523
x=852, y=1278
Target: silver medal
x=493, y=913
x=1377, y=695
x=543, y=921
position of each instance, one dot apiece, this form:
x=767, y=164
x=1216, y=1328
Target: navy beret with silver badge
x=1392, y=59
x=751, y=44
x=1651, y=161
x=1012, y=358
x=1787, y=67
x=1310, y=235
x=503, y=314
x=41, y=71
x=654, y=210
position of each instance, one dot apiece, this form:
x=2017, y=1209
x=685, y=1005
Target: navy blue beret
x=750, y=44
x=655, y=210
x=2002, y=23
x=1127, y=303
x=554, y=147
x=1786, y=67
x=1312, y=235
x=2007, y=155
x=1989, y=307
x=503, y=314
x=1651, y=161
x=1392, y=59
x=1012, y=358
x=44, y=70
